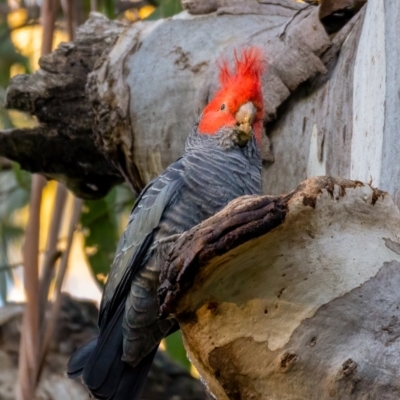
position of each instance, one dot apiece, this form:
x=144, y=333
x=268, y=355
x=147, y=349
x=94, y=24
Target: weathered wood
x=287, y=297
x=158, y=128
x=333, y=12
x=390, y=169
x=133, y=123
x=124, y=111
x=242, y=220
x=306, y=310
x=369, y=92
x=345, y=123
x=72, y=160
x=312, y=136
x=63, y=146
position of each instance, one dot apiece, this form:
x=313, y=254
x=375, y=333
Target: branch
x=30, y=339
x=49, y=260
x=63, y=146
x=50, y=323
x=243, y=219
x=294, y=296
x=8, y=267
x=43, y=150
x=97, y=97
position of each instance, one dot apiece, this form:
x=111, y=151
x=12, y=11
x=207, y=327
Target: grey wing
x=208, y=186
x=134, y=243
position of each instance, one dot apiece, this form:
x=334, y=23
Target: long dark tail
x=99, y=362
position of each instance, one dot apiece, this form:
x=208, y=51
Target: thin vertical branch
x=59, y=281
x=93, y=5
x=48, y=15
x=69, y=9
x=29, y=343
x=61, y=194
x=47, y=272
x=29, y=338
x=48, y=323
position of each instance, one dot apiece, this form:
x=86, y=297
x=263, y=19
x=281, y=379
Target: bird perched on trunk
x=221, y=161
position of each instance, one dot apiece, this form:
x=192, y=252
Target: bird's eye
x=223, y=106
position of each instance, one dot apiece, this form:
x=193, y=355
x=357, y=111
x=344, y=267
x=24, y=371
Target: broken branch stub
x=305, y=307
x=63, y=146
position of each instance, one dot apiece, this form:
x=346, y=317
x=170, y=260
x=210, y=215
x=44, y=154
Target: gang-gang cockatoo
x=221, y=162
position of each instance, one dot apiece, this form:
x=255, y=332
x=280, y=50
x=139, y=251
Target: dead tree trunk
x=145, y=85
x=290, y=297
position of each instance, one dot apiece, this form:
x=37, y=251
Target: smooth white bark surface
x=256, y=310
x=369, y=96
x=157, y=78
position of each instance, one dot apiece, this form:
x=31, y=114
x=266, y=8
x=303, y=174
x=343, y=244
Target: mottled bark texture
x=280, y=298
x=76, y=325
x=120, y=100
x=345, y=123
x=293, y=297
x=63, y=146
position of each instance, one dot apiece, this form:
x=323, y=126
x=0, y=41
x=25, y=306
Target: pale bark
x=293, y=297
x=345, y=123
x=146, y=85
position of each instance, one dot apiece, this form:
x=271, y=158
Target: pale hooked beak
x=244, y=120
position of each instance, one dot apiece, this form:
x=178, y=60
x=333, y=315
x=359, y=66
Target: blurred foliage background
x=101, y=221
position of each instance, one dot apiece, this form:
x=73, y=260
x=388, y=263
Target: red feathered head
x=237, y=88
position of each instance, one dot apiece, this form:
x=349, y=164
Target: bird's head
x=238, y=104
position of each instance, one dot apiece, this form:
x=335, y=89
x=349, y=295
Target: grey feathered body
x=212, y=171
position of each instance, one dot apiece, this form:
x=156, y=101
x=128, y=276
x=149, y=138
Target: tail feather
x=79, y=359
x=104, y=364
x=99, y=362
x=133, y=379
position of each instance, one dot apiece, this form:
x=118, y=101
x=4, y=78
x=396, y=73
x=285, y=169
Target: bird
x=221, y=161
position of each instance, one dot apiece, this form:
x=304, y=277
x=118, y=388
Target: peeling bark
x=279, y=297
x=242, y=220
x=63, y=146
x=345, y=123
x=122, y=119
x=305, y=308
x=334, y=12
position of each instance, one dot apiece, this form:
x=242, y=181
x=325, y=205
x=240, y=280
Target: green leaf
x=107, y=7
x=5, y=275
x=22, y=177
x=166, y=8
x=12, y=198
x=11, y=232
x=9, y=235
x=176, y=350
x=101, y=234
x=12, y=195
x=9, y=55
